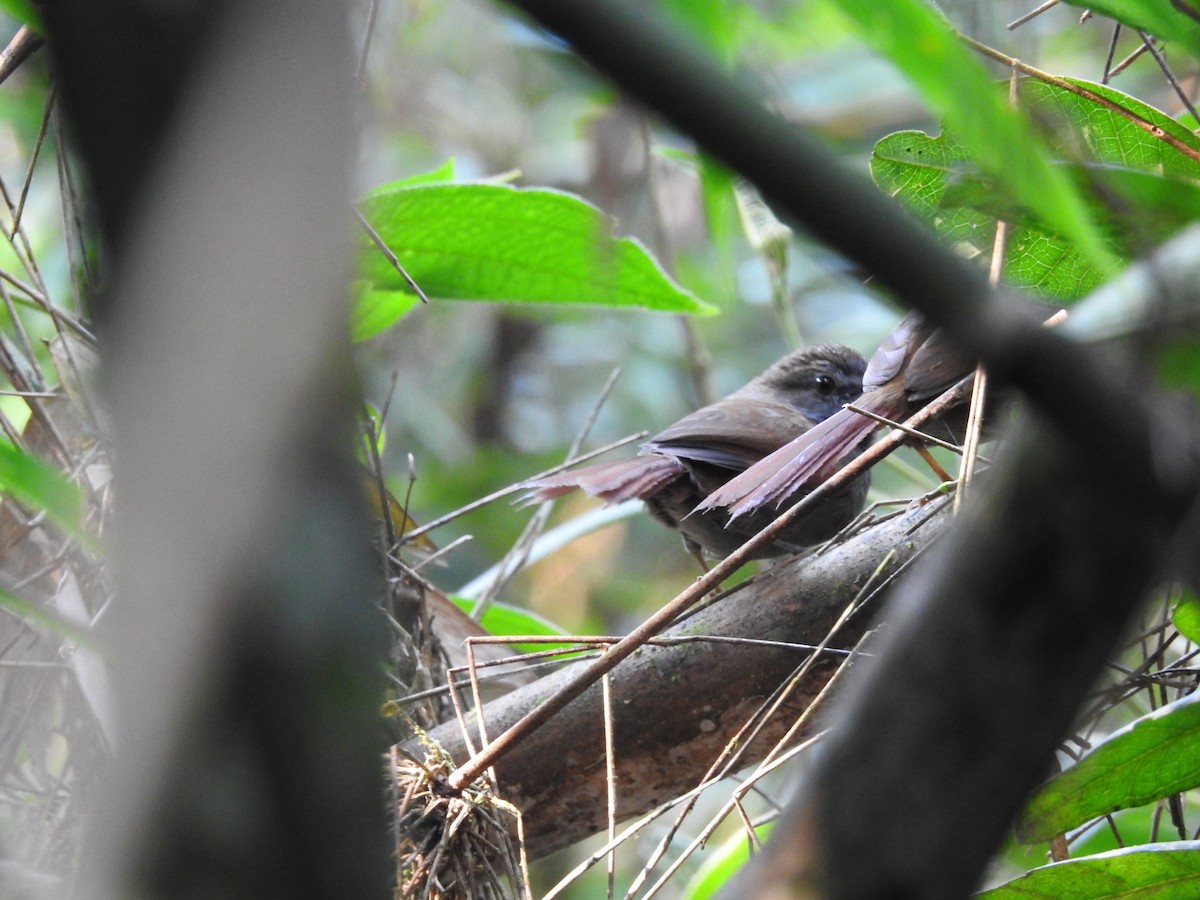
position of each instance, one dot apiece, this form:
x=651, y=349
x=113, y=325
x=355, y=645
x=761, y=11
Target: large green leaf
x=1159, y=17
x=494, y=242
x=1139, y=169
x=1154, y=757
x=1101, y=123
x=1149, y=872
x=930, y=176
x=914, y=36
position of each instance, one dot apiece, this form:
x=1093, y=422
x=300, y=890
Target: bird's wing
x=730, y=433
x=804, y=461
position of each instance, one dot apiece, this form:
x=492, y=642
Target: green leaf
x=930, y=176
x=376, y=311
x=503, y=619
x=42, y=487
x=1139, y=172
x=710, y=21
x=1112, y=127
x=722, y=864
x=1154, y=757
x=498, y=243
x=372, y=424
x=921, y=44
x=1186, y=617
x=443, y=174
x=23, y=12
x=1148, y=872
x=1158, y=17
x=45, y=618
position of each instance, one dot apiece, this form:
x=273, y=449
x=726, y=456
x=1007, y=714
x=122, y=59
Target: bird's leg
x=941, y=473
x=696, y=552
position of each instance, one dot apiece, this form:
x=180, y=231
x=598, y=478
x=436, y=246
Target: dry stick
x=23, y=45
x=33, y=158
x=1148, y=42
x=1112, y=50
x=77, y=257
x=900, y=426
x=764, y=767
x=1018, y=22
x=520, y=486
x=610, y=769
x=966, y=466
x=361, y=75
x=554, y=704
x=1128, y=60
x=1080, y=91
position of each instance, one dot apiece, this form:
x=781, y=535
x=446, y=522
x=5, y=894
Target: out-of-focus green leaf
x=1178, y=364
x=1186, y=617
x=1148, y=872
x=722, y=864
x=494, y=242
x=23, y=12
x=720, y=213
x=503, y=619
x=1154, y=757
x=39, y=615
x=372, y=424
x=375, y=311
x=41, y=487
x=712, y=22
x=914, y=36
x=1158, y=17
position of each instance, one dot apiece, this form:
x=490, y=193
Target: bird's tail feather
x=613, y=482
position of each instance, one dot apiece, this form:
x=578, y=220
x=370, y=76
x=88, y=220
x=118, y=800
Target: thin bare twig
x=360, y=76
x=33, y=158
x=1032, y=14
x=388, y=254
x=1148, y=42
x=520, y=486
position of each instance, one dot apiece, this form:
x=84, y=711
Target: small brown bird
x=915, y=363
x=677, y=468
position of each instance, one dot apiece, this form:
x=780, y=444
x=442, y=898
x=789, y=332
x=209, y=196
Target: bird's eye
x=825, y=385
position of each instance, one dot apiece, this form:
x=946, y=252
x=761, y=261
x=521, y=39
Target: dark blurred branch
x=245, y=643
